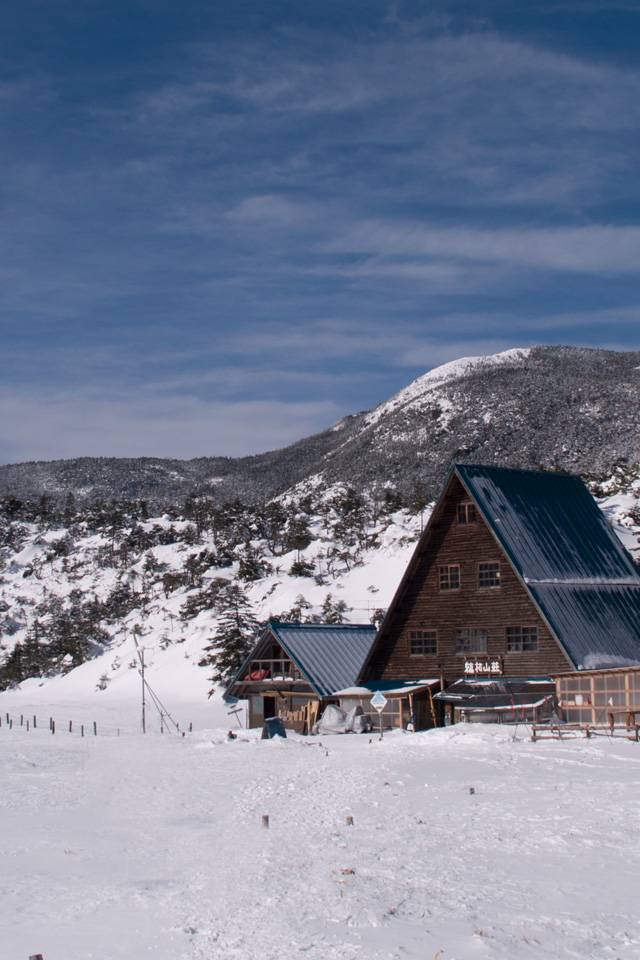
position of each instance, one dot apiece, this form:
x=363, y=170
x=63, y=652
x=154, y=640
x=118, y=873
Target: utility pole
x=144, y=706
x=140, y=652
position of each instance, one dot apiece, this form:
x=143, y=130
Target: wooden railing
x=272, y=669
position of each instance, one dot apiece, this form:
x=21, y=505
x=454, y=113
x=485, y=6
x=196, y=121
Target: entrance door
x=269, y=707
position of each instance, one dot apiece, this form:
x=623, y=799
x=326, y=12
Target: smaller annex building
x=610, y=695
x=517, y=577
x=295, y=669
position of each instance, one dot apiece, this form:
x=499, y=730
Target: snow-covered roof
x=390, y=688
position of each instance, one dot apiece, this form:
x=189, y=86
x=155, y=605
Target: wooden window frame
x=470, y=649
x=467, y=513
x=522, y=627
x=419, y=637
x=445, y=578
x=489, y=586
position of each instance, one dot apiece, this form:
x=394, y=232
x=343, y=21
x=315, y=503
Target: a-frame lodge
x=517, y=577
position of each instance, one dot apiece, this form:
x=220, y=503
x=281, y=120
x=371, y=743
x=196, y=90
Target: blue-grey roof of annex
x=329, y=655
x=577, y=571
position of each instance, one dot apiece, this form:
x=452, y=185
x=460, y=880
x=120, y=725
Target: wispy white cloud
x=302, y=215
x=602, y=249
x=37, y=426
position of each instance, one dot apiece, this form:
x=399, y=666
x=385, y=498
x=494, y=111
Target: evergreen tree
x=235, y=636
x=252, y=565
x=70, y=509
x=299, y=612
x=297, y=534
x=333, y=611
x=302, y=568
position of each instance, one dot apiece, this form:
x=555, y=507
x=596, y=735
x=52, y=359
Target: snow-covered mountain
x=555, y=407
x=80, y=580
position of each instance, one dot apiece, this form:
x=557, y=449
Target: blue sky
x=224, y=225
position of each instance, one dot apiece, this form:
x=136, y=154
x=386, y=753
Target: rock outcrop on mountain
x=555, y=407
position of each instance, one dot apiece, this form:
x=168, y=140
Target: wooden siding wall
x=423, y=606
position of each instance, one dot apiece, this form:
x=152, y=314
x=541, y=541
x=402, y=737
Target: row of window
x=488, y=576
x=424, y=643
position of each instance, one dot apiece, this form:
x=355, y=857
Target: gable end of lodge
x=461, y=588
x=517, y=579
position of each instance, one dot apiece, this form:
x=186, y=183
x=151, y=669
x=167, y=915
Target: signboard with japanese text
x=483, y=668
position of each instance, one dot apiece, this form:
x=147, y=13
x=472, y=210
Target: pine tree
x=333, y=611
x=252, y=565
x=234, y=638
x=299, y=612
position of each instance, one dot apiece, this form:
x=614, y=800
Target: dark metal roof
x=497, y=694
x=578, y=573
x=329, y=655
x=599, y=625
x=549, y=524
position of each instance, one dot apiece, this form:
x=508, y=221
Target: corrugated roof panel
x=601, y=621
x=549, y=524
x=497, y=695
x=330, y=655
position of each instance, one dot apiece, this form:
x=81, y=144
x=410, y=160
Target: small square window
x=471, y=641
x=423, y=643
x=467, y=513
x=522, y=639
x=488, y=575
x=450, y=577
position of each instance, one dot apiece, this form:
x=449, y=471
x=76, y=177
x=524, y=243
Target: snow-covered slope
x=123, y=847
x=419, y=392
x=174, y=617
x=162, y=611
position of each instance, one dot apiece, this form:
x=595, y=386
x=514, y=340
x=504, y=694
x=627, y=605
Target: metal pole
x=144, y=705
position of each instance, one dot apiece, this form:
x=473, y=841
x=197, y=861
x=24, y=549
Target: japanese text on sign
x=482, y=667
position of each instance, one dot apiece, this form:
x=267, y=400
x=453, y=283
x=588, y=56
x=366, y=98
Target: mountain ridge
x=555, y=407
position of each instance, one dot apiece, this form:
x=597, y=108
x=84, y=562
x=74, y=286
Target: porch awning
x=500, y=695
x=390, y=688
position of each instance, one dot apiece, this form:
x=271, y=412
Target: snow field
x=118, y=848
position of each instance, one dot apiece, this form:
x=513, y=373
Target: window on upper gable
x=522, y=639
x=450, y=577
x=488, y=575
x=467, y=512
x=471, y=641
x=422, y=643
